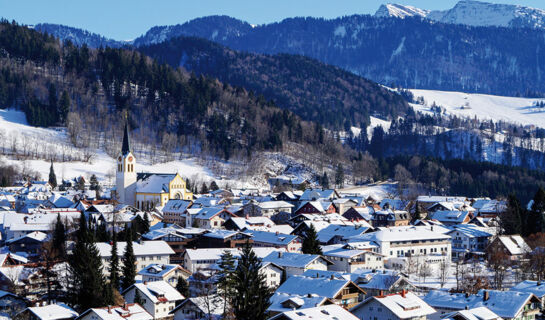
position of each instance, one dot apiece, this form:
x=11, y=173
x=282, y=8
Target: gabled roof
x=452, y=216
x=153, y=182
x=404, y=305
x=157, y=291
x=140, y=248
x=316, y=194
x=281, y=302
x=215, y=302
x=514, y=244
x=53, y=312
x=470, y=230
x=343, y=231
x=328, y=312
x=292, y=259
x=176, y=206
x=210, y=212
x=324, y=287
x=272, y=238
x=160, y=270
x=130, y=311
x=405, y=233
x=480, y=313
x=528, y=286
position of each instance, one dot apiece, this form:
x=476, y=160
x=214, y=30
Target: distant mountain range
x=473, y=13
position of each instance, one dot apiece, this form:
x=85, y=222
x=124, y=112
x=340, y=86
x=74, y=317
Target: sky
x=128, y=19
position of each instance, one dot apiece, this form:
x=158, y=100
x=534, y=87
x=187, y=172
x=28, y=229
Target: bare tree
x=444, y=270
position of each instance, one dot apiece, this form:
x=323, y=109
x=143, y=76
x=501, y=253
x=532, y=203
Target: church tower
x=125, y=174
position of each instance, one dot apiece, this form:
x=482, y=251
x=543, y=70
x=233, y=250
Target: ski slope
x=485, y=107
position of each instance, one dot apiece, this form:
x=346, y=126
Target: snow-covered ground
x=379, y=190
x=484, y=107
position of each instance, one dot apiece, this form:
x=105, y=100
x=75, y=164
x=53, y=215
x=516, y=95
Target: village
x=323, y=253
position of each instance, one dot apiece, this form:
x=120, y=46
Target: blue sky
x=127, y=19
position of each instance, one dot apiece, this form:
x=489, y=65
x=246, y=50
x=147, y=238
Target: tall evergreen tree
x=52, y=177
x=183, y=287
x=225, y=278
x=145, y=223
x=64, y=106
x=253, y=294
x=325, y=181
x=59, y=238
x=93, y=182
x=87, y=283
x=513, y=219
x=129, y=265
x=535, y=216
x=204, y=188
x=114, y=264
x=339, y=176
x=214, y=186
x=311, y=245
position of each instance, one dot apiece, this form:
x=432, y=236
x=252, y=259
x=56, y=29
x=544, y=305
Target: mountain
x=78, y=36
x=473, y=13
x=315, y=91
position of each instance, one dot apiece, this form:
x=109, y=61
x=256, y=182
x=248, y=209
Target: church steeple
x=126, y=148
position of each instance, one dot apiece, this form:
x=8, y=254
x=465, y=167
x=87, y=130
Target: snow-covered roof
x=404, y=305
x=321, y=286
x=403, y=233
x=451, y=216
x=208, y=212
x=143, y=248
x=158, y=270
x=274, y=205
x=514, y=244
x=224, y=234
x=489, y=206
x=36, y=235
x=343, y=231
x=341, y=252
x=291, y=259
x=158, y=291
x=154, y=182
x=60, y=201
x=434, y=199
x=535, y=287
x=281, y=302
x=272, y=238
x=328, y=312
x=210, y=253
x=315, y=194
x=176, y=206
x=213, y=303
x=53, y=312
x=471, y=230
x=132, y=311
x=479, y=313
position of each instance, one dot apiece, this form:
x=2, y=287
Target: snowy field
x=379, y=190
x=484, y=107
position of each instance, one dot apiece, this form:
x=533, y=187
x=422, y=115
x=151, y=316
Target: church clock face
x=130, y=159
x=119, y=159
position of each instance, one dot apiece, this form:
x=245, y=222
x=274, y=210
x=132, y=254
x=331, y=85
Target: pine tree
x=535, y=216
x=214, y=186
x=138, y=297
x=80, y=184
x=145, y=224
x=204, y=188
x=52, y=177
x=325, y=181
x=339, y=176
x=311, y=245
x=93, y=181
x=253, y=295
x=225, y=278
x=129, y=265
x=87, y=283
x=64, y=106
x=59, y=237
x=114, y=264
x=183, y=287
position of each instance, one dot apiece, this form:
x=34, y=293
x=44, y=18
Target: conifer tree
x=214, y=186
x=129, y=265
x=64, y=106
x=311, y=245
x=225, y=278
x=114, y=264
x=339, y=176
x=204, y=188
x=59, y=237
x=252, y=296
x=93, y=181
x=87, y=283
x=183, y=287
x=145, y=224
x=52, y=177
x=535, y=216
x=325, y=181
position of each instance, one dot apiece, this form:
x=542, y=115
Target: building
x=291, y=243
x=513, y=246
x=349, y=260
x=125, y=312
x=208, y=217
x=272, y=274
x=204, y=307
x=325, y=312
x=452, y=217
x=389, y=218
x=297, y=263
x=174, y=211
x=145, y=252
x=217, y=238
x=480, y=313
x=58, y=311
x=266, y=208
x=158, y=297
x=164, y=272
x=537, y=288
x=403, y=305
x=145, y=190
x=468, y=240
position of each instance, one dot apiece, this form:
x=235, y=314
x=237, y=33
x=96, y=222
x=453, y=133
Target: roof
x=453, y=216
x=404, y=305
x=281, y=301
x=176, y=206
x=329, y=312
x=272, y=238
x=142, y=248
x=341, y=252
x=36, y=236
x=495, y=302
x=535, y=287
x=315, y=194
x=291, y=259
x=153, y=182
x=471, y=230
x=479, y=313
x=321, y=286
x=157, y=291
x=158, y=270
x=404, y=233
x=208, y=212
x=344, y=231
x=126, y=147
x=215, y=302
x=224, y=234
x=274, y=205
x=53, y=311
x=132, y=311
x=514, y=244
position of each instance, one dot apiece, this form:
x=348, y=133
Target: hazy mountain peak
x=400, y=11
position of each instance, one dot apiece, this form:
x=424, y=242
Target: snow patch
x=340, y=31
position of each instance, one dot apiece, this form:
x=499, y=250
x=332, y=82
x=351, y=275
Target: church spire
x=126, y=148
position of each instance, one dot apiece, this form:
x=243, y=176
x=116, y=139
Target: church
x=145, y=190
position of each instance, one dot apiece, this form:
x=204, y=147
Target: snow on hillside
x=484, y=107
x=400, y=11
x=378, y=191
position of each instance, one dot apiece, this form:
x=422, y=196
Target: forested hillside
x=315, y=91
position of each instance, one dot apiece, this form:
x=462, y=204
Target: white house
x=205, y=308
x=126, y=312
x=158, y=297
x=57, y=311
x=403, y=305
x=297, y=263
x=164, y=272
x=272, y=274
x=145, y=252
x=349, y=260
x=290, y=243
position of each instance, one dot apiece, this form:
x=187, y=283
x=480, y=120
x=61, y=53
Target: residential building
x=164, y=272
x=513, y=246
x=145, y=252
x=266, y=208
x=326, y=312
x=468, y=240
x=291, y=243
x=297, y=263
x=203, y=307
x=403, y=305
x=349, y=260
x=132, y=311
x=479, y=313
x=57, y=311
x=158, y=297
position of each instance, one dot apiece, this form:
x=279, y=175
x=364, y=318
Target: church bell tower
x=125, y=174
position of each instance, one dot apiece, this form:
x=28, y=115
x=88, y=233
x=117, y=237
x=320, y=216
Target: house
x=177, y=238
x=169, y=273
x=317, y=207
x=200, y=259
x=145, y=252
x=487, y=208
x=11, y=304
x=403, y=305
x=452, y=217
x=297, y=263
x=174, y=211
x=289, y=196
x=291, y=243
x=522, y=305
x=254, y=223
x=537, y=288
x=335, y=233
x=317, y=194
x=217, y=238
x=132, y=311
x=389, y=218
x=158, y=297
x=343, y=204
x=58, y=311
x=326, y=312
x=479, y=313
x=375, y=282
x=282, y=302
x=272, y=273
x=204, y=307
x=513, y=246
x=339, y=290
x=266, y=208
x=30, y=244
x=359, y=213
x=468, y=240
x=349, y=260
x=208, y=218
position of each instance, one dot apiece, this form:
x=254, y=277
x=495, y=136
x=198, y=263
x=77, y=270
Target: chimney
x=486, y=296
x=381, y=294
x=467, y=307
x=467, y=294
x=309, y=295
x=279, y=254
x=125, y=306
x=109, y=309
x=403, y=293
x=539, y=283
x=331, y=277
